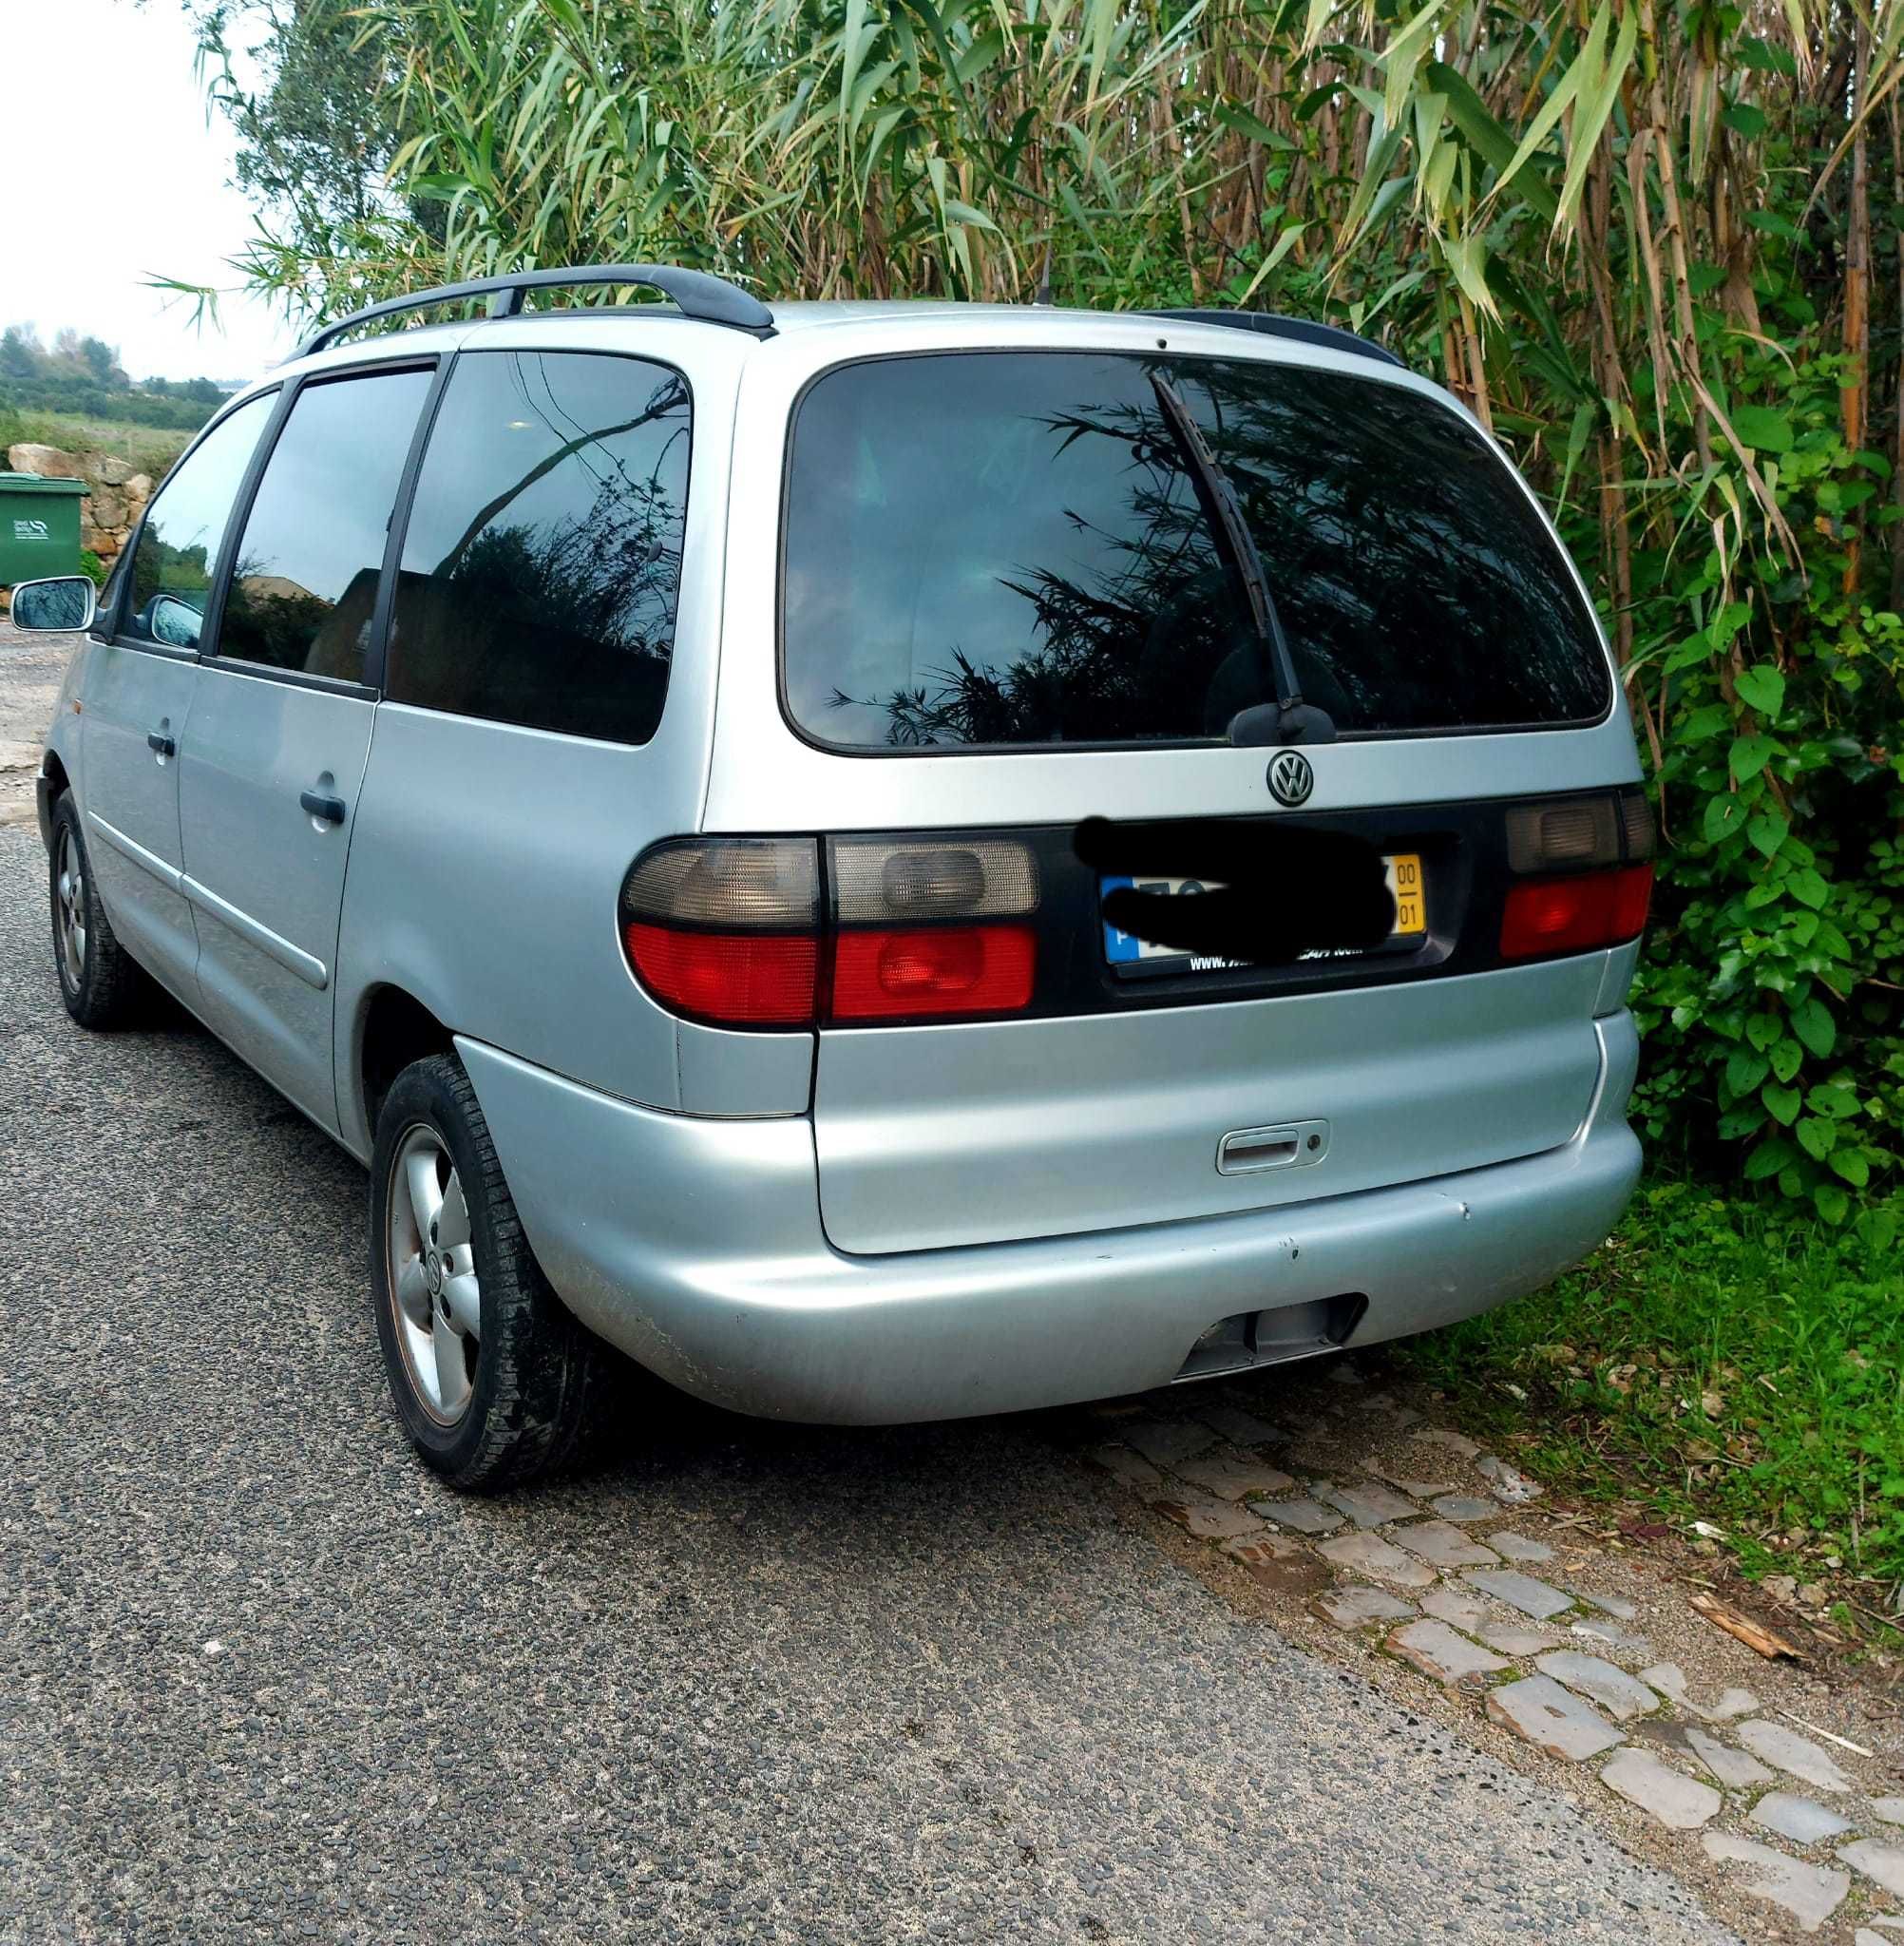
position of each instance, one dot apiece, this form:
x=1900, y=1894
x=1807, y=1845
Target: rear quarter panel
x=486, y=859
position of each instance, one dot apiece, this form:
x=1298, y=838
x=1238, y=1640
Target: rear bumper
x=696, y=1247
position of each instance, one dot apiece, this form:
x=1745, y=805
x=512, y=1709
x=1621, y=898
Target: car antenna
x=1043, y=295
x=1288, y=719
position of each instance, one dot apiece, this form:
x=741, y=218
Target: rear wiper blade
x=1289, y=719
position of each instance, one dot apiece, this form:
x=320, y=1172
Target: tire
x=498, y=1387
x=99, y=981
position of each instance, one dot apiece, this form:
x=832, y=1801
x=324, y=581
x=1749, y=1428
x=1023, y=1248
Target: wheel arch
x=51, y=785
x=390, y=1028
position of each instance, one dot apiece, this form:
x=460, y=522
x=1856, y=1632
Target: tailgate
x=937, y=1136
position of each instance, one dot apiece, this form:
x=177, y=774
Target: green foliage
x=83, y=377
x=92, y=567
x=1735, y=1362
x=1768, y=989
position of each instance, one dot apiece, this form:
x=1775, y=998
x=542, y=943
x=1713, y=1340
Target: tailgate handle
x=1289, y=1145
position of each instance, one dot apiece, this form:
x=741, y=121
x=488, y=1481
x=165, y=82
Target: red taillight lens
x=1632, y=897
x=734, y=932
x=1574, y=915
x=744, y=979
x=952, y=969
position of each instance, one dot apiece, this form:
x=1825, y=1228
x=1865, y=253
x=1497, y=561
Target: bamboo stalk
x=1853, y=397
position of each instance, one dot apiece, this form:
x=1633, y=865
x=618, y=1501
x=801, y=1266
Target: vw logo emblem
x=1290, y=778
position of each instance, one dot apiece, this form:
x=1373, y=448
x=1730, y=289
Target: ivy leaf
x=1850, y=1163
x=1744, y=1070
x=1740, y=1122
x=1812, y=1022
x=1723, y=815
x=1768, y=831
x=1761, y=687
x=1784, y=1103
x=1762, y=428
x=1747, y=121
x=1833, y=1098
x=1810, y=886
x=1771, y=1155
x=1750, y=754
x=1817, y=1136
x=1834, y=1205
x=1787, y=1058
x=1762, y=1030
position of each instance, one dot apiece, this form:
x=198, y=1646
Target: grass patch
x=151, y=448
x=1717, y=1360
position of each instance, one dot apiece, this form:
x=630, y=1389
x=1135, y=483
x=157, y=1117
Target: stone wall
x=116, y=492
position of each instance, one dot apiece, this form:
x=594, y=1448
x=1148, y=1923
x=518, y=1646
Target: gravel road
x=260, y=1678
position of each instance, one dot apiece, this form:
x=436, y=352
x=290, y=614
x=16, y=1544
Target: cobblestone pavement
x=1434, y=1563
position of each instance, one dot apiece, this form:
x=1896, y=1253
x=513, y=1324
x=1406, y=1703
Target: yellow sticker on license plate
x=1411, y=894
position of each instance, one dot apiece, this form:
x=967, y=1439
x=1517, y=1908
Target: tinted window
x=1008, y=548
x=304, y=580
x=176, y=554
x=544, y=554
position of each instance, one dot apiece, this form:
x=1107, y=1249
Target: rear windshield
x=1009, y=549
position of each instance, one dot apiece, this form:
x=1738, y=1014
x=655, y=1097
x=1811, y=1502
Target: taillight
x=727, y=929
x=1596, y=880
x=734, y=932
x=1573, y=915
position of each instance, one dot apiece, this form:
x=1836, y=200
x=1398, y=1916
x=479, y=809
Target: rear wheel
x=493, y=1378
x=99, y=981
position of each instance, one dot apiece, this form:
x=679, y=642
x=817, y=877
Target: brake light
x=732, y=931
x=1576, y=914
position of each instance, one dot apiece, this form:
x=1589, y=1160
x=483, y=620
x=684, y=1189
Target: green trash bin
x=39, y=528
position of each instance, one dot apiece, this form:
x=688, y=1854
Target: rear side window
x=304, y=580
x=542, y=560
x=177, y=556
x=1008, y=548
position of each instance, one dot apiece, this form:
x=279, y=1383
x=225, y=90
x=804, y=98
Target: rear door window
x=304, y=578
x=542, y=560
x=1000, y=549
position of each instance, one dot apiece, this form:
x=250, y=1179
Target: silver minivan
x=888, y=861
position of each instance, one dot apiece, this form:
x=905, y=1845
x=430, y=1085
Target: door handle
x=329, y=810
x=156, y=739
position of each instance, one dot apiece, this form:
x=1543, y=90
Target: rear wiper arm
x=1289, y=719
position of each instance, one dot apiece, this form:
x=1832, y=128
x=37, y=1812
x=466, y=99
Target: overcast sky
x=114, y=173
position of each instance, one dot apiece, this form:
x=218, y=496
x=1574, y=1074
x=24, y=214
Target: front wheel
x=99, y=981
x=493, y=1378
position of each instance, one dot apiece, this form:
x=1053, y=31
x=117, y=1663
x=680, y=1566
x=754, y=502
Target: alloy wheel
x=69, y=888
x=434, y=1295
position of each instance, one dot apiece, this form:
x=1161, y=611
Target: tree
x=102, y=360
x=21, y=356
x=314, y=142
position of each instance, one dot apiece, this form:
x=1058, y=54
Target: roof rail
x=1332, y=336
x=711, y=299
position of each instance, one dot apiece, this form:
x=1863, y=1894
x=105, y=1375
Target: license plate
x=1405, y=882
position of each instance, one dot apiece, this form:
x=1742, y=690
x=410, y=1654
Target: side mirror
x=65, y=602
x=176, y=624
